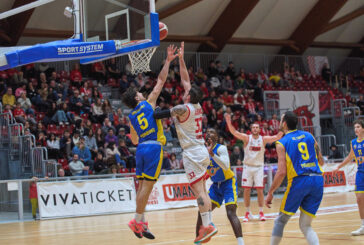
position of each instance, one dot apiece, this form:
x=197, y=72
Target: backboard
x=124, y=20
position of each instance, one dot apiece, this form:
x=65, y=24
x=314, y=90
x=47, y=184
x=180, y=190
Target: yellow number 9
x=142, y=121
x=302, y=147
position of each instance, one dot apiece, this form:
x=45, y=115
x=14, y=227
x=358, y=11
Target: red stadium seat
x=64, y=163
x=52, y=129
x=40, y=116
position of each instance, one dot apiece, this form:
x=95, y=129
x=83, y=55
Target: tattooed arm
x=177, y=111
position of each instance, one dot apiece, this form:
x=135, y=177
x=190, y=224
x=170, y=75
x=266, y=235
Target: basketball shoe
x=248, y=216
x=146, y=232
x=208, y=239
x=261, y=216
x=137, y=228
x=358, y=232
x=205, y=233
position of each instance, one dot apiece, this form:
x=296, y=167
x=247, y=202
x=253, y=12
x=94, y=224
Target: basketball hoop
x=140, y=60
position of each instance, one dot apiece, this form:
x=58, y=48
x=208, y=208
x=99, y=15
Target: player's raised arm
x=274, y=138
x=177, y=111
x=152, y=98
x=185, y=78
x=233, y=131
x=280, y=175
x=348, y=159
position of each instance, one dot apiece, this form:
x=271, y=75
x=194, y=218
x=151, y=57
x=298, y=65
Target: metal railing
x=325, y=141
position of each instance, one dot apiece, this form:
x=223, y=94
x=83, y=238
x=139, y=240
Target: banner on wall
x=305, y=104
x=341, y=181
x=83, y=198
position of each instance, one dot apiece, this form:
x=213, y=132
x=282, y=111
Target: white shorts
x=253, y=177
x=195, y=161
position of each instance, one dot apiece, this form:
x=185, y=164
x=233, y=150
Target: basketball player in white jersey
x=188, y=121
x=253, y=169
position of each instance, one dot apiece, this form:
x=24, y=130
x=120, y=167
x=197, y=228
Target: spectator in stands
x=90, y=142
x=212, y=70
x=60, y=116
x=61, y=173
x=100, y=138
x=236, y=155
x=76, y=102
x=77, y=167
x=83, y=153
x=230, y=71
x=66, y=144
x=335, y=153
x=274, y=124
x=26, y=104
x=360, y=103
x=275, y=79
x=107, y=125
x=250, y=108
x=98, y=115
x=9, y=98
x=174, y=162
x=262, y=77
x=165, y=164
x=107, y=109
x=114, y=169
x=112, y=69
x=100, y=164
x=41, y=140
x=86, y=104
x=239, y=100
x=110, y=137
x=53, y=146
x=99, y=71
x=113, y=155
x=86, y=90
x=258, y=93
x=265, y=131
x=228, y=84
x=20, y=115
x=123, y=84
x=20, y=90
x=95, y=95
x=240, y=80
x=326, y=72
x=76, y=137
x=122, y=136
x=126, y=155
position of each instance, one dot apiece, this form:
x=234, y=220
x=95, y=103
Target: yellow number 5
x=302, y=147
x=142, y=121
x=360, y=153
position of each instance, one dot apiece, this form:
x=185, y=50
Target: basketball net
x=140, y=60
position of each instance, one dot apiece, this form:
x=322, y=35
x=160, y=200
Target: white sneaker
x=248, y=216
x=358, y=232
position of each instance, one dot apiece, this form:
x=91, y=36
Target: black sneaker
x=146, y=232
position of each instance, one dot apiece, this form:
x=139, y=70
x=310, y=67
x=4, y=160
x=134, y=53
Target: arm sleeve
x=222, y=157
x=159, y=114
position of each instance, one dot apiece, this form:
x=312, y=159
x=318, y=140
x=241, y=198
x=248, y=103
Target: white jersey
x=189, y=131
x=254, y=151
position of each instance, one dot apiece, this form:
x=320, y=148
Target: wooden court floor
x=338, y=217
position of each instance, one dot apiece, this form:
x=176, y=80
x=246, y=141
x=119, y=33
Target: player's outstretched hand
x=181, y=50
x=227, y=118
x=268, y=200
x=335, y=170
x=171, y=52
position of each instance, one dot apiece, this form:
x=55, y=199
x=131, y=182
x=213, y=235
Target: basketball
x=163, y=31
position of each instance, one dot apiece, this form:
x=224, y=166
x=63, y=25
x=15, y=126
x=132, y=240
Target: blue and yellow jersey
x=216, y=172
x=143, y=122
x=301, y=156
x=358, y=148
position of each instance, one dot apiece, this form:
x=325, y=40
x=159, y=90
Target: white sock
x=362, y=222
x=138, y=217
x=210, y=216
x=247, y=209
x=275, y=240
x=260, y=209
x=205, y=219
x=240, y=241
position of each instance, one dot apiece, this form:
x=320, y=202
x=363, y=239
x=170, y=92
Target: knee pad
x=279, y=224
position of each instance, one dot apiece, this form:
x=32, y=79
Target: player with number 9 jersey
x=304, y=174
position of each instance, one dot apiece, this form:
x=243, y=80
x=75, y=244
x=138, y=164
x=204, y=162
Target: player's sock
x=247, y=209
x=138, y=217
x=210, y=217
x=260, y=209
x=240, y=241
x=205, y=219
x=308, y=232
x=275, y=240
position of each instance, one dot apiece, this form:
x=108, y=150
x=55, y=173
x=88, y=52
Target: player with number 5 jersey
x=188, y=121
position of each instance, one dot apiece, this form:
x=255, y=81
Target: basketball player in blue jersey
x=224, y=187
x=357, y=153
x=147, y=132
x=300, y=159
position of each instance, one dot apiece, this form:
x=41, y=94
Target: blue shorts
x=149, y=159
x=224, y=191
x=359, y=182
x=304, y=192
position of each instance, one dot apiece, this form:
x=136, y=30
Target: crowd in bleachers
x=68, y=114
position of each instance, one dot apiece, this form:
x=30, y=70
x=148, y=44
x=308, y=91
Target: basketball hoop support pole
x=152, y=6
x=77, y=18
